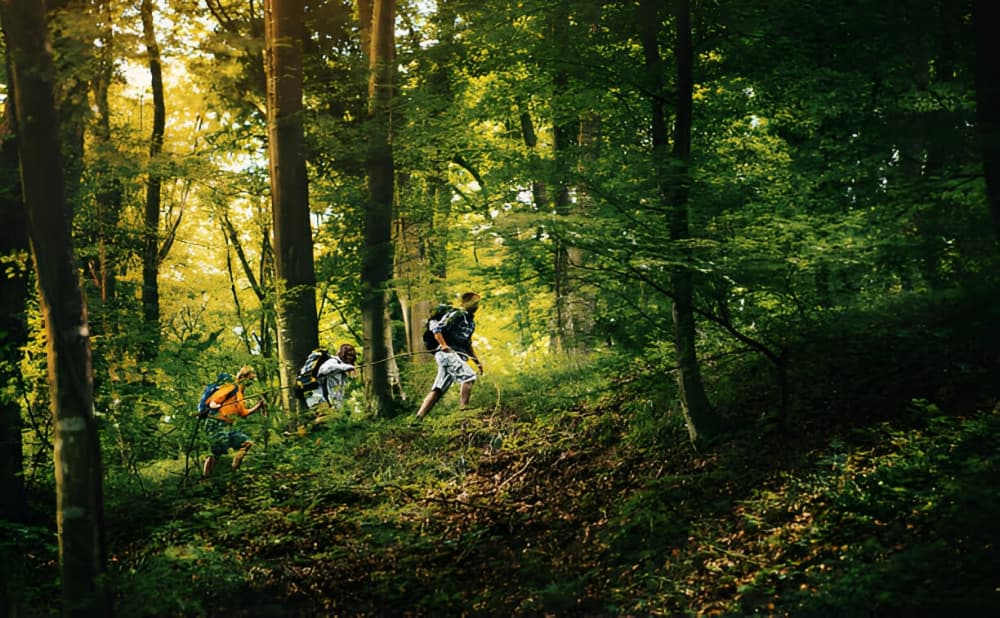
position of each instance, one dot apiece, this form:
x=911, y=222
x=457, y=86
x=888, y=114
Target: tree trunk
x=581, y=304
x=365, y=8
x=392, y=367
x=102, y=268
x=674, y=180
x=293, y=247
x=413, y=288
x=539, y=192
x=377, y=257
x=985, y=17
x=14, y=252
x=75, y=52
x=77, y=450
x=150, y=233
x=563, y=137
x=562, y=141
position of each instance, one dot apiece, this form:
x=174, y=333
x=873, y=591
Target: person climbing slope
x=225, y=405
x=333, y=375
x=453, y=333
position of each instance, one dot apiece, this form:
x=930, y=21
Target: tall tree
x=77, y=458
x=151, y=257
x=411, y=274
x=102, y=266
x=565, y=335
x=14, y=252
x=70, y=24
x=377, y=257
x=673, y=180
x=293, y=247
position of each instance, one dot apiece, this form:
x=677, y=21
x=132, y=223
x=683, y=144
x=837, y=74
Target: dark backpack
x=307, y=379
x=435, y=317
x=221, y=380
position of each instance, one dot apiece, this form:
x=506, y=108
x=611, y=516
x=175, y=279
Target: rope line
x=277, y=390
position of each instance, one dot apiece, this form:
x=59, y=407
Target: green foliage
x=849, y=535
x=572, y=491
x=29, y=565
x=182, y=580
x=839, y=232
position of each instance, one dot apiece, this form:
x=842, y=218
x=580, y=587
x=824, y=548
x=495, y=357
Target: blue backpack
x=221, y=380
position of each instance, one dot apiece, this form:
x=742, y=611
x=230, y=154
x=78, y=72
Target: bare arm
x=334, y=364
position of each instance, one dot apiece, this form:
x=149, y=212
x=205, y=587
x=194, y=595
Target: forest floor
x=569, y=497
x=498, y=512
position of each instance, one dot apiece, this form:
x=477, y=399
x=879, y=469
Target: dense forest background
x=739, y=322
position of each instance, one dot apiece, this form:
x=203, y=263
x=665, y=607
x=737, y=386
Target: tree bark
x=151, y=228
x=413, y=288
x=365, y=11
x=985, y=16
x=77, y=450
x=377, y=258
x=74, y=51
x=673, y=178
x=562, y=332
x=293, y=247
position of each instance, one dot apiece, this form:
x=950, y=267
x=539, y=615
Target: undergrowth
x=569, y=491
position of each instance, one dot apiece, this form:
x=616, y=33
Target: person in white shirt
x=333, y=376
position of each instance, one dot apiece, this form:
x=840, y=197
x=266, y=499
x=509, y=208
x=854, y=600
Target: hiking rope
x=252, y=399
x=277, y=390
x=394, y=357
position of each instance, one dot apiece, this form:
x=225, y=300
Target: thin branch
x=231, y=234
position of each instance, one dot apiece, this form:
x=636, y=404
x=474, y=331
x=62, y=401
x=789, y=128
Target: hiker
x=225, y=405
x=453, y=333
x=332, y=376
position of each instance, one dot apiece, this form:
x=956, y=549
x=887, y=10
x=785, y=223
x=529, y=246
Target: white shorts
x=451, y=368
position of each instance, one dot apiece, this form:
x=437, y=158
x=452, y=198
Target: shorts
x=224, y=438
x=451, y=368
x=315, y=398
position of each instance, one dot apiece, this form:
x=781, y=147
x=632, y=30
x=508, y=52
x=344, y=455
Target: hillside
x=571, y=494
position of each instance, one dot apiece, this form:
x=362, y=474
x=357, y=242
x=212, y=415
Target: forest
x=733, y=268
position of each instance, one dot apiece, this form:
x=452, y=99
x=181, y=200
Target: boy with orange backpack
x=222, y=405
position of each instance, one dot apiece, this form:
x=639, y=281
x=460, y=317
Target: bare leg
x=465, y=393
x=208, y=466
x=240, y=454
x=432, y=398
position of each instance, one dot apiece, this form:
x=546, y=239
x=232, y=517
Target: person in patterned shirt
x=226, y=405
x=454, y=336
